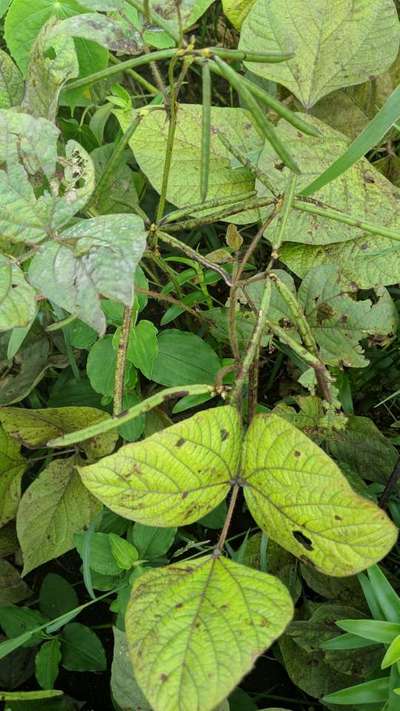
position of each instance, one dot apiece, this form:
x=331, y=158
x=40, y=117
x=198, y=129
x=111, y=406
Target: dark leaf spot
x=297, y=453
x=224, y=435
x=180, y=442
x=163, y=678
x=184, y=494
x=178, y=605
x=338, y=518
x=303, y=540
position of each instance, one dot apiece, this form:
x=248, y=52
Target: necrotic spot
x=303, y=540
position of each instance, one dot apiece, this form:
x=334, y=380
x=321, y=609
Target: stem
x=122, y=66
x=121, y=362
x=182, y=247
x=234, y=209
x=173, y=113
x=345, y=219
x=202, y=206
x=297, y=314
x=390, y=485
x=228, y=520
x=133, y=412
x=284, y=213
x=205, y=132
x=255, y=340
x=170, y=300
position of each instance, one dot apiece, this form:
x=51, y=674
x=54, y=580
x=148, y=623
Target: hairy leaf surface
x=173, y=477
x=182, y=620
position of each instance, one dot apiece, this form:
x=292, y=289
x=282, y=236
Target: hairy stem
x=121, y=362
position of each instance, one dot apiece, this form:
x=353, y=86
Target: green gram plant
x=84, y=236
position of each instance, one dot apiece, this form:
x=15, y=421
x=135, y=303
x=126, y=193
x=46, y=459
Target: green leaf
x=195, y=611
x=125, y=554
x=300, y=498
x=152, y=542
x=110, y=32
x=101, y=558
x=149, y=144
x=124, y=687
x=338, y=321
x=12, y=467
x=82, y=649
x=370, y=692
x=371, y=136
x=52, y=63
x=17, y=621
x=29, y=695
x=53, y=508
x=174, y=477
x=57, y=596
x=143, y=347
x=184, y=358
x=17, y=298
x=11, y=82
x=120, y=191
x=106, y=252
x=29, y=367
x=374, y=630
x=34, y=428
x=101, y=365
x=388, y=599
x=47, y=663
x=24, y=22
x=12, y=588
x=333, y=45
x=237, y=10
x=362, y=191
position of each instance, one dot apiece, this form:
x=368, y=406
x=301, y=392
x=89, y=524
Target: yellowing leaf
x=335, y=43
x=237, y=10
x=34, y=428
x=149, y=143
x=194, y=629
x=17, y=298
x=299, y=496
x=173, y=477
x=12, y=467
x=53, y=508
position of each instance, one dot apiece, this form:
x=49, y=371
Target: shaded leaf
x=174, y=620
x=57, y=596
x=17, y=298
x=53, y=508
x=12, y=588
x=297, y=494
x=12, y=467
x=101, y=365
x=184, y=358
x=11, y=82
x=174, y=477
x=47, y=663
x=149, y=143
x=143, y=347
x=152, y=542
x=34, y=428
x=82, y=649
x=124, y=687
x=343, y=45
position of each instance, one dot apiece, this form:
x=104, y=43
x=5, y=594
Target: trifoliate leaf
x=173, y=477
x=299, y=496
x=53, y=508
x=182, y=619
x=335, y=44
x=149, y=144
x=103, y=261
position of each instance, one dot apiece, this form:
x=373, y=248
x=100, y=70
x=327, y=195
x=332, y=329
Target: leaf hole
x=303, y=540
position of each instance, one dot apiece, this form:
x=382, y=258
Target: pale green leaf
x=12, y=588
x=11, y=82
x=17, y=298
x=47, y=661
x=34, y=428
x=103, y=261
x=124, y=687
x=149, y=143
x=106, y=31
x=338, y=321
x=174, y=477
x=361, y=191
x=335, y=43
x=53, y=508
x=181, y=621
x=12, y=467
x=237, y=10
x=300, y=498
x=52, y=63
x=26, y=696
